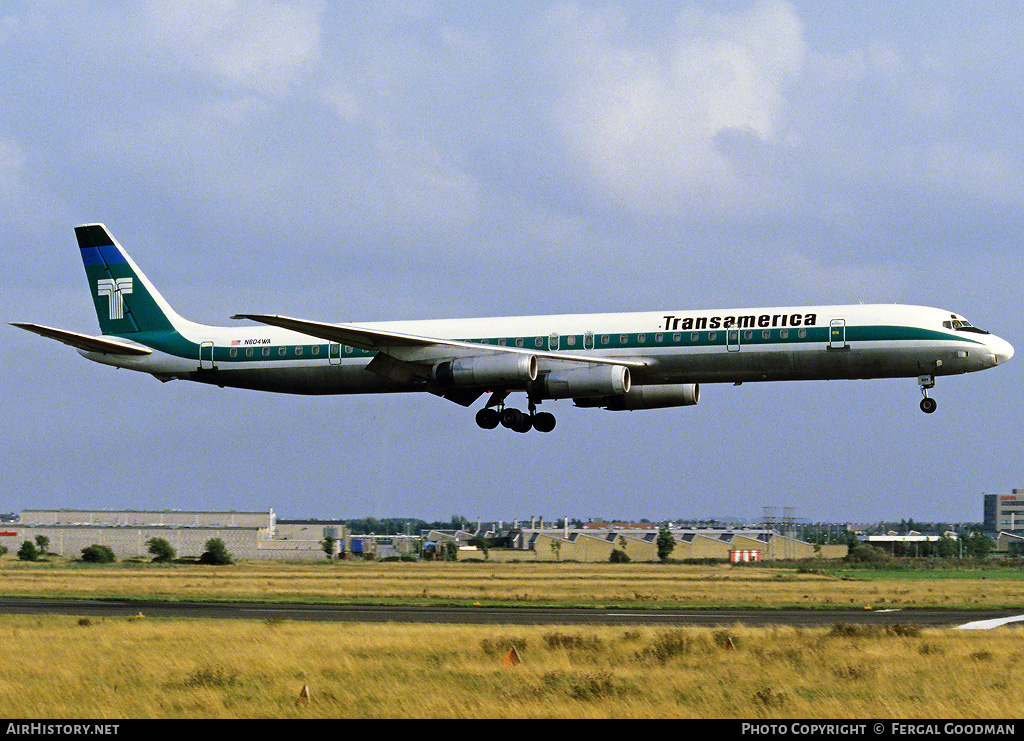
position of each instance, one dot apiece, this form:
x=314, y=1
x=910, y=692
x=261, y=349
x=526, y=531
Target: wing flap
x=84, y=341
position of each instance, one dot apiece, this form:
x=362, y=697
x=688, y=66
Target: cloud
x=644, y=118
x=840, y=281
x=254, y=45
x=12, y=160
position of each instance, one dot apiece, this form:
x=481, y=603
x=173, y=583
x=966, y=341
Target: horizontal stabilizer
x=84, y=341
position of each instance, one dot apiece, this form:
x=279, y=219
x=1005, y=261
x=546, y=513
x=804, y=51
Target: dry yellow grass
x=638, y=585
x=66, y=667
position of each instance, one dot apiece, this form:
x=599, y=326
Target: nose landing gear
x=928, y=405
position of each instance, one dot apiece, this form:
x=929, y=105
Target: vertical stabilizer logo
x=115, y=291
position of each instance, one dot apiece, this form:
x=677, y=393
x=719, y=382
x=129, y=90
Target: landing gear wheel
x=544, y=422
x=925, y=383
x=525, y=426
x=488, y=418
x=511, y=418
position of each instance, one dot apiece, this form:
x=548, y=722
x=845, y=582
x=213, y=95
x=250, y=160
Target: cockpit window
x=962, y=325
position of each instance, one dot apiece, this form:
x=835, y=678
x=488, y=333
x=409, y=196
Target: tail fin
x=126, y=302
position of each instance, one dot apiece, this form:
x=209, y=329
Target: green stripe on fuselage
x=173, y=343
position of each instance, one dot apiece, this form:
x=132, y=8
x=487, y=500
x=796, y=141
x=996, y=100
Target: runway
x=504, y=615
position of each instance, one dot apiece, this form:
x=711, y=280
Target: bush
x=216, y=553
x=618, y=556
x=28, y=551
x=96, y=553
x=162, y=550
x=867, y=554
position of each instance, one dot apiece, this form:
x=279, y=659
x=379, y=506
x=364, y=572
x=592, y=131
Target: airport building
x=1004, y=512
x=594, y=542
x=259, y=535
x=246, y=535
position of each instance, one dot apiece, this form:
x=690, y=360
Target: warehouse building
x=638, y=541
x=258, y=535
x=246, y=535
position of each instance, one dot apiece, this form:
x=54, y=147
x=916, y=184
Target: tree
x=28, y=552
x=162, y=550
x=216, y=553
x=96, y=553
x=327, y=544
x=978, y=545
x=42, y=544
x=946, y=547
x=665, y=543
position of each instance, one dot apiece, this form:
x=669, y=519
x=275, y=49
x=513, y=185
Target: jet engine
x=647, y=397
x=601, y=380
x=500, y=369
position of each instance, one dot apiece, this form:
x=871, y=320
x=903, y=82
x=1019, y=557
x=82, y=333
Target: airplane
x=626, y=361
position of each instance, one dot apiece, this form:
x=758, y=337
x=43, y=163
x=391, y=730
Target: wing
x=415, y=348
x=84, y=341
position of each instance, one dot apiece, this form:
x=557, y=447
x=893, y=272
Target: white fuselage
x=672, y=347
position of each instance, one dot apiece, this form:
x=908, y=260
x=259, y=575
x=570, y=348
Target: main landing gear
x=928, y=404
x=490, y=417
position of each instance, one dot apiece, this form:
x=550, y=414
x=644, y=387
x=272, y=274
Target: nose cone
x=1001, y=350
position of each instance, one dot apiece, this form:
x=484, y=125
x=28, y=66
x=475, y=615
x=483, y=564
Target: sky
x=403, y=160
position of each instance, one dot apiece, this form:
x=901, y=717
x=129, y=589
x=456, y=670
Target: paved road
x=499, y=615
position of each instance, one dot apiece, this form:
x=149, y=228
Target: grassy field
x=79, y=667
x=644, y=586
x=66, y=667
